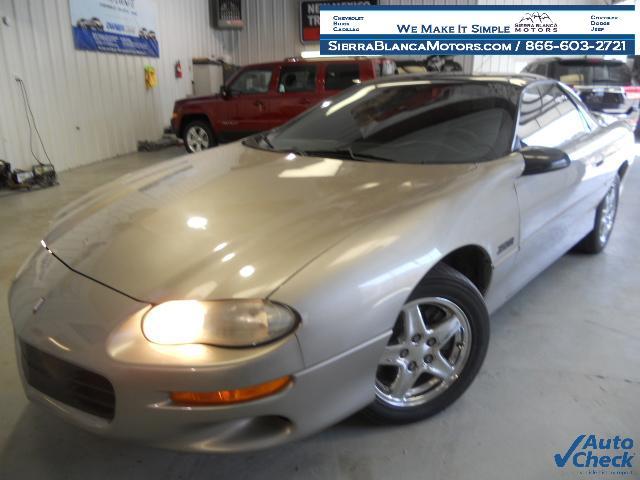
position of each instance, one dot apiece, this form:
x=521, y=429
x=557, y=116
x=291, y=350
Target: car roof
x=517, y=79
x=300, y=60
x=579, y=60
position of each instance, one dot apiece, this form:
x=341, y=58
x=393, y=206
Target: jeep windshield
x=404, y=121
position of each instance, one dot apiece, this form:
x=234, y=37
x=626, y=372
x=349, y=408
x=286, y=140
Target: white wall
x=88, y=105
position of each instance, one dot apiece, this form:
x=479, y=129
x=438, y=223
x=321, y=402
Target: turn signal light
x=225, y=397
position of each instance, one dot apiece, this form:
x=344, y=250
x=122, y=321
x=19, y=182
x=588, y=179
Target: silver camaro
x=346, y=261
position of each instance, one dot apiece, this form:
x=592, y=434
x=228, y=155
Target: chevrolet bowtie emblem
x=37, y=305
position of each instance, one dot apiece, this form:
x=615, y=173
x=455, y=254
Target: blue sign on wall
x=115, y=26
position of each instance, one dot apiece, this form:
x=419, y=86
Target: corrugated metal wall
x=272, y=29
x=90, y=106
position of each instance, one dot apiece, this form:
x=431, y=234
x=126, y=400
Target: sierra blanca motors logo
x=536, y=22
x=599, y=455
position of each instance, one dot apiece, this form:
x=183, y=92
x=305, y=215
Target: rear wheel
x=605, y=218
x=436, y=349
x=198, y=136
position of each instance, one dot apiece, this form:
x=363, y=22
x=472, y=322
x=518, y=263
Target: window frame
x=588, y=120
x=246, y=70
x=328, y=65
x=314, y=66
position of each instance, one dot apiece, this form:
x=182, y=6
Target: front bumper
x=319, y=397
x=75, y=323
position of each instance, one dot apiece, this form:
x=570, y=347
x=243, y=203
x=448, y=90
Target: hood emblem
x=37, y=305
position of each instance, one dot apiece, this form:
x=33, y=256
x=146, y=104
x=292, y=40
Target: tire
x=597, y=239
x=197, y=136
x=462, y=345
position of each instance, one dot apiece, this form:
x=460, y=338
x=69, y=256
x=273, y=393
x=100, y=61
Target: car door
x=297, y=90
x=556, y=207
x=246, y=110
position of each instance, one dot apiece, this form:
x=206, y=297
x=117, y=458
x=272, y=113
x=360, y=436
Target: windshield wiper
x=344, y=153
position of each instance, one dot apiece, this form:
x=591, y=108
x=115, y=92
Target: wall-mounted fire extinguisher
x=178, y=69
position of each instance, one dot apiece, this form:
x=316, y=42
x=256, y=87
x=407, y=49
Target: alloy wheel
x=608, y=215
x=427, y=352
x=197, y=139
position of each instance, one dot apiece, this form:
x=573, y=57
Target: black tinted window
x=548, y=118
x=297, y=78
x=423, y=121
x=341, y=75
x=252, y=81
x=600, y=73
x=541, y=69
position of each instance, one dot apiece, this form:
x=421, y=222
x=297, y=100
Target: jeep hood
x=232, y=221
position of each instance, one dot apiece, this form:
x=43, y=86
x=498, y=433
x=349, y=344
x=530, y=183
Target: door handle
x=259, y=104
x=305, y=101
x=599, y=162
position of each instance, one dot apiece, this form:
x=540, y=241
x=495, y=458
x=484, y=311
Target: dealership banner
x=479, y=30
x=116, y=26
x=310, y=15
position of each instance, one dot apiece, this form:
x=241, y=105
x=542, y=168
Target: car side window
x=339, y=76
x=252, y=81
x=541, y=69
x=548, y=118
x=297, y=78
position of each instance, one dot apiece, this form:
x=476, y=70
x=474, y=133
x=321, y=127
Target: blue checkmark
x=560, y=460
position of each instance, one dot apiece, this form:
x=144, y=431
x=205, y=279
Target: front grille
x=67, y=383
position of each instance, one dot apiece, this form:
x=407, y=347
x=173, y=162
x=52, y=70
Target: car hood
x=198, y=100
x=232, y=221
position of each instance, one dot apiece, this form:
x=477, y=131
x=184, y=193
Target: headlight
x=225, y=323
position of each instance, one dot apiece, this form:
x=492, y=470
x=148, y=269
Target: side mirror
x=225, y=92
x=543, y=159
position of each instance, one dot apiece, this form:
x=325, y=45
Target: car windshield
x=419, y=122
x=601, y=73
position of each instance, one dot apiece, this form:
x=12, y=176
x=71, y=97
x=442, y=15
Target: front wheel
x=198, y=136
x=436, y=349
x=606, y=213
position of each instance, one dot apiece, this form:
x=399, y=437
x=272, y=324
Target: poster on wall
x=310, y=15
x=116, y=26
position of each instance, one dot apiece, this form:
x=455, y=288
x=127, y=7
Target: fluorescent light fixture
x=310, y=54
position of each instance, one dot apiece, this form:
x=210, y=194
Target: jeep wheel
x=198, y=136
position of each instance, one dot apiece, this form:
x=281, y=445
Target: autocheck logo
x=599, y=455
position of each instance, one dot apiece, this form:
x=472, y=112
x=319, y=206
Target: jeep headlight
x=225, y=323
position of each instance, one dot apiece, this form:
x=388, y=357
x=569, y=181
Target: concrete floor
x=564, y=359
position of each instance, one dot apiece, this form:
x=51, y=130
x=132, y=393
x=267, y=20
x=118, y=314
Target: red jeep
x=262, y=96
